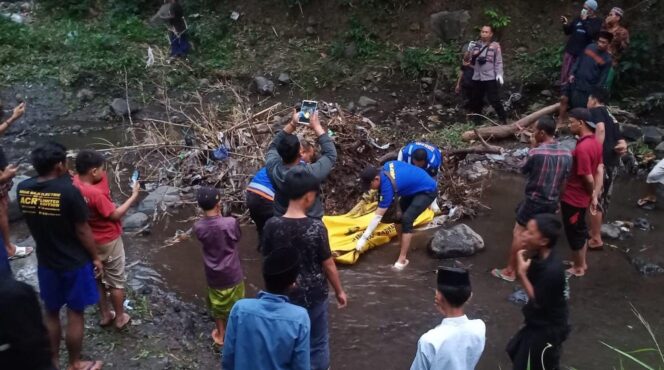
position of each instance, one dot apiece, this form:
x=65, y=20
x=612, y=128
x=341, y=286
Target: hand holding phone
x=307, y=111
x=563, y=19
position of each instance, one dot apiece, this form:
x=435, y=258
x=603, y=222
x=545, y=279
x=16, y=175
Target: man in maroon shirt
x=583, y=187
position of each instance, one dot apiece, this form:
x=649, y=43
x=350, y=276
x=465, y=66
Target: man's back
x=547, y=167
x=456, y=344
x=51, y=209
x=267, y=333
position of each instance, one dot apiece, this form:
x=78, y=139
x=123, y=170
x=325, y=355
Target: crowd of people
x=81, y=260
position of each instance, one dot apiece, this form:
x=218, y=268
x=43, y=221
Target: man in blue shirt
x=416, y=191
x=268, y=332
x=423, y=155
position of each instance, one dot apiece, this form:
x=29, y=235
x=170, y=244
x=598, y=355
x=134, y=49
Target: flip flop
x=109, y=323
x=21, y=252
x=500, y=275
x=646, y=203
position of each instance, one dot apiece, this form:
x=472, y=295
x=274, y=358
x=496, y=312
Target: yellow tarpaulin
x=344, y=231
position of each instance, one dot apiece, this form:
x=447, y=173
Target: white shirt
x=456, y=344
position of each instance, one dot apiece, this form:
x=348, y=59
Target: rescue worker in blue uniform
x=416, y=190
x=423, y=155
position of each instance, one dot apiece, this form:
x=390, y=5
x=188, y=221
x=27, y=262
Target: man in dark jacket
x=582, y=31
x=591, y=69
x=284, y=153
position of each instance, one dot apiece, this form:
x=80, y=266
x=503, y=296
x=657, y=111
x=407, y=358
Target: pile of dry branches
x=224, y=146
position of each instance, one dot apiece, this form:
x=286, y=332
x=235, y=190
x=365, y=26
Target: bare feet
x=218, y=339
x=87, y=365
x=122, y=321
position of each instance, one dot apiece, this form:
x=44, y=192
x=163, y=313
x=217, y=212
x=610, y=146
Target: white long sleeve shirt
x=456, y=344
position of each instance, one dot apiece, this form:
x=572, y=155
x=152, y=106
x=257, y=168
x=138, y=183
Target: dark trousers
x=412, y=207
x=537, y=348
x=260, y=210
x=490, y=89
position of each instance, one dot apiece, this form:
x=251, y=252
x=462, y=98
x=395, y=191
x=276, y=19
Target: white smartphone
x=307, y=111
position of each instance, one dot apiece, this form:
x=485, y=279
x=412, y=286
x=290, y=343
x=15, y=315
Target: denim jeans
x=320, y=337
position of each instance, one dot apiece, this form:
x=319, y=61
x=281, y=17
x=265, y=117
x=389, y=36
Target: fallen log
x=505, y=131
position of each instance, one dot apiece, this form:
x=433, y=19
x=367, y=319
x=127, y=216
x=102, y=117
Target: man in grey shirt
x=284, y=153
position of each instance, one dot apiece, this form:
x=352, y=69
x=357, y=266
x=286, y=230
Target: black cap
x=583, y=114
x=284, y=261
x=208, y=197
x=453, y=277
x=367, y=176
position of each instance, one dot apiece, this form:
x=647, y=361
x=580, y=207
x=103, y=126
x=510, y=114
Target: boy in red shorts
x=106, y=226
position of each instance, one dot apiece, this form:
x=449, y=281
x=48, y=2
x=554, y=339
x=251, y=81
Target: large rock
x=264, y=86
x=161, y=197
x=610, y=231
x=474, y=171
x=85, y=95
x=651, y=135
x=450, y=25
x=284, y=79
x=135, y=221
x=14, y=211
x=365, y=101
x=459, y=241
x=120, y=107
x=631, y=132
x=659, y=151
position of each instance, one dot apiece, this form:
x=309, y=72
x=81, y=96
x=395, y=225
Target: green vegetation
x=449, y=136
x=496, y=19
x=419, y=61
x=365, y=42
x=635, y=357
x=541, y=66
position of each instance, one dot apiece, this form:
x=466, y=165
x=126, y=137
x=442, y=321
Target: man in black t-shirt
x=24, y=340
x=309, y=236
x=613, y=146
x=57, y=216
x=538, y=344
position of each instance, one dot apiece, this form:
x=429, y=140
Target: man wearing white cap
x=457, y=343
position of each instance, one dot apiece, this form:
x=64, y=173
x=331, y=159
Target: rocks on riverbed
x=366, y=101
x=450, y=25
x=458, y=241
x=631, y=132
x=122, y=108
x=135, y=221
x=161, y=197
x=263, y=85
x=474, y=171
x=14, y=211
x=652, y=135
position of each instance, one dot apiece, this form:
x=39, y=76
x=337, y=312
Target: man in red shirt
x=583, y=187
x=106, y=226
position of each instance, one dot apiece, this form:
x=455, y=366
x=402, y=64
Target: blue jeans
x=320, y=337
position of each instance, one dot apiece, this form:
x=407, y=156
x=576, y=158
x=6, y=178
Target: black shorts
x=412, y=207
x=576, y=229
x=528, y=209
x=260, y=210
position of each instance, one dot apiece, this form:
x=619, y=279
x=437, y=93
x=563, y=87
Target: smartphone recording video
x=307, y=111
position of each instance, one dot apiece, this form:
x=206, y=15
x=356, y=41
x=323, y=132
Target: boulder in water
x=458, y=241
x=163, y=196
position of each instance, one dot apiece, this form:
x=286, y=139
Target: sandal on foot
x=21, y=252
x=109, y=323
x=400, y=266
x=500, y=275
x=646, y=203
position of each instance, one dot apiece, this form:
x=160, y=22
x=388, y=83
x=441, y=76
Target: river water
x=388, y=311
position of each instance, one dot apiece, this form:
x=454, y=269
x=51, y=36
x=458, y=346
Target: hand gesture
x=342, y=300
x=19, y=110
x=315, y=124
x=621, y=147
x=9, y=172
x=99, y=267
x=136, y=189
x=522, y=263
